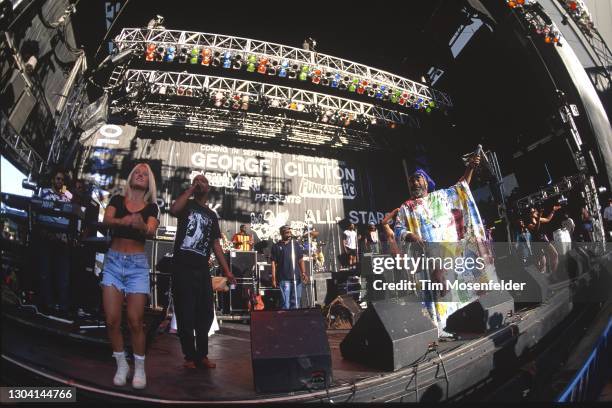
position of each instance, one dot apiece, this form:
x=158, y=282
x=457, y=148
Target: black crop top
x=150, y=210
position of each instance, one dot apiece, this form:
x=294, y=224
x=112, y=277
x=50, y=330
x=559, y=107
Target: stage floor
x=91, y=366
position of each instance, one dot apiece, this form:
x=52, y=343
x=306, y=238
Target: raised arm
x=546, y=220
x=179, y=204
x=472, y=164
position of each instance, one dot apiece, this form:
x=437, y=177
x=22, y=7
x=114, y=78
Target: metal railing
x=586, y=384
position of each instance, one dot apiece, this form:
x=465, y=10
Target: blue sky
x=10, y=179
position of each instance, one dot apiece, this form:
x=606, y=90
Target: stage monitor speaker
x=489, y=312
x=290, y=350
x=243, y=263
x=536, y=289
x=390, y=334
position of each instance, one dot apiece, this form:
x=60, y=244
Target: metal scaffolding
x=203, y=86
x=254, y=127
x=139, y=38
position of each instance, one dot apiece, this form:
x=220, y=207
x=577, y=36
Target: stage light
x=316, y=76
x=245, y=103
x=218, y=99
x=361, y=87
x=206, y=56
x=353, y=85
x=237, y=62
x=512, y=4
x=171, y=91
x=150, y=53
x=170, y=54
x=236, y=101
x=347, y=118
x=183, y=55
x=263, y=65
x=159, y=53
x=335, y=81
x=293, y=105
x=334, y=119
x=251, y=63
x=387, y=94
x=194, y=56
x=275, y=103
x=403, y=99
x=395, y=97
x=216, y=61
x=273, y=67
x=293, y=71
x=303, y=73
x=180, y=91
x=326, y=80
x=227, y=60
x=189, y=92
x=371, y=90
x=344, y=83
x=327, y=116
x=300, y=107
x=283, y=69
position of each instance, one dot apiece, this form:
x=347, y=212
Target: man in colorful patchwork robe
x=447, y=224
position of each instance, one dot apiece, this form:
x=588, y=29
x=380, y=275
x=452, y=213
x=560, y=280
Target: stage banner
x=104, y=155
x=262, y=189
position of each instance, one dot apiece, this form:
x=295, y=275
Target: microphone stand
x=293, y=273
x=311, y=257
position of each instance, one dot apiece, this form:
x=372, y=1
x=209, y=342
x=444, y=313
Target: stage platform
x=35, y=348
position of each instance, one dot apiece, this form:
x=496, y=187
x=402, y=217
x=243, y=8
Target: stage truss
x=230, y=92
x=202, y=122
x=139, y=38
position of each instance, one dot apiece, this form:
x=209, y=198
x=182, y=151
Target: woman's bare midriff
x=127, y=246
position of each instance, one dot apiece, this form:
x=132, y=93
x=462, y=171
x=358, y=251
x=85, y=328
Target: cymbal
x=313, y=234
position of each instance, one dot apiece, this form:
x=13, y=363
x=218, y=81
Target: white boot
x=140, y=378
x=123, y=369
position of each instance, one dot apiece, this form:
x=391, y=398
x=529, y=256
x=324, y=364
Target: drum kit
x=313, y=250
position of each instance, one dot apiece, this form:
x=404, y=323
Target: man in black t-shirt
x=287, y=260
x=197, y=237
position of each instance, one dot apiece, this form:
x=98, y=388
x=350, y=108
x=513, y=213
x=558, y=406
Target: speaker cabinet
x=536, y=289
x=489, y=312
x=390, y=334
x=290, y=351
x=243, y=263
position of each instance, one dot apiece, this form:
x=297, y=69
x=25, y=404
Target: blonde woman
x=132, y=218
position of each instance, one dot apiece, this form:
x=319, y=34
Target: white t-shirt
x=351, y=239
x=608, y=213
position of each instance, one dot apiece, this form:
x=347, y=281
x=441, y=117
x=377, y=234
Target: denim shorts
x=127, y=272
